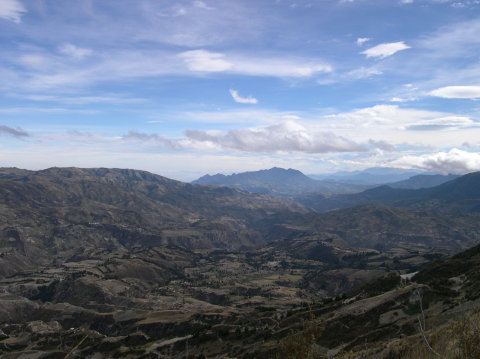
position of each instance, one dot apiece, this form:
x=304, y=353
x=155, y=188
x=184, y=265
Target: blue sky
x=184, y=88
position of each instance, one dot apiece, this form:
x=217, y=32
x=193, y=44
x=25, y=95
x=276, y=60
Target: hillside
x=59, y=211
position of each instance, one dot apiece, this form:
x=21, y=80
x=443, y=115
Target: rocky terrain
x=104, y=263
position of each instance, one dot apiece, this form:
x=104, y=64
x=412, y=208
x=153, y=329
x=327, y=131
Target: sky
x=186, y=88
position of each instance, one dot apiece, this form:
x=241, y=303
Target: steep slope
x=277, y=182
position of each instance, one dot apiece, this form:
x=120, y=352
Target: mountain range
x=370, y=176
x=290, y=183
x=460, y=195
x=112, y=262
x=277, y=182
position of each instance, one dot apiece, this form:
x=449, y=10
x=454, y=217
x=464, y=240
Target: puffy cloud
x=11, y=10
x=455, y=161
x=442, y=123
x=471, y=92
x=239, y=99
x=75, y=52
x=15, y=132
x=386, y=49
x=287, y=136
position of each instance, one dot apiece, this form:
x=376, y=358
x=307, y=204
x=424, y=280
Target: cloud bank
x=287, y=136
x=455, y=161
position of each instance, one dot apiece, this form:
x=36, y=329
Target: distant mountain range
x=423, y=181
x=460, y=195
x=370, y=176
x=290, y=183
x=278, y=182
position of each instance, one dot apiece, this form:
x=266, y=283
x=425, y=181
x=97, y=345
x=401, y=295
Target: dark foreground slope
x=434, y=314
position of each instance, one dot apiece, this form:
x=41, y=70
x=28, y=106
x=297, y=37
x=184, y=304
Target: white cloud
x=442, y=123
x=74, y=51
x=205, y=61
x=201, y=5
x=398, y=99
x=452, y=40
x=279, y=67
x=82, y=100
x=15, y=132
x=239, y=99
x=144, y=137
x=362, y=40
x=455, y=161
x=471, y=92
x=386, y=49
x=251, y=116
x=35, y=61
x=382, y=145
x=391, y=115
x=11, y=10
x=362, y=73
x=287, y=136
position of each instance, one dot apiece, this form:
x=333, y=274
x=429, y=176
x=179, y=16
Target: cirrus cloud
x=11, y=10
x=206, y=61
x=15, y=132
